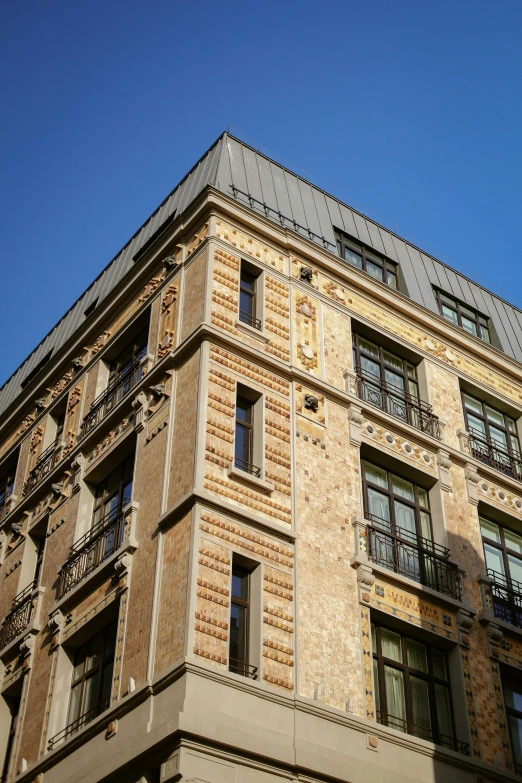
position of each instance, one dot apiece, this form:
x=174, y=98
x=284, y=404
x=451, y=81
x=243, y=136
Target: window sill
x=247, y=478
x=259, y=334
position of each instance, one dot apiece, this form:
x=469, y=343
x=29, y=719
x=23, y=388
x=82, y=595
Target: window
x=390, y=383
x=400, y=536
x=91, y=683
x=493, y=436
x=13, y=706
x=461, y=315
x=248, y=295
x=240, y=623
x=513, y=701
x=503, y=556
x=90, y=309
x=34, y=372
x=375, y=265
x=412, y=688
x=245, y=443
x=114, y=492
x=40, y=549
x=6, y=490
x=127, y=362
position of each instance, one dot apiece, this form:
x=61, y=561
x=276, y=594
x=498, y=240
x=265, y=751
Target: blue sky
x=408, y=110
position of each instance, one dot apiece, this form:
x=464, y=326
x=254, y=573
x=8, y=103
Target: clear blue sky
x=408, y=109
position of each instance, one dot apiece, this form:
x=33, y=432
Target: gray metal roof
x=272, y=190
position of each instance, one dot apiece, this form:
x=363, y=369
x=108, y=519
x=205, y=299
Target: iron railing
x=242, y=668
x=492, y=453
x=506, y=597
x=113, y=394
x=398, y=403
x=19, y=617
x=45, y=464
x=410, y=555
x=401, y=724
x=247, y=467
x=246, y=318
x=92, y=549
x=79, y=723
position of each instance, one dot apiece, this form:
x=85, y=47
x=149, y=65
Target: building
x=261, y=506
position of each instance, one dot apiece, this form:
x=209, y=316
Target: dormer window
x=464, y=316
x=369, y=261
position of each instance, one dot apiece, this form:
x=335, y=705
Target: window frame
x=368, y=256
x=511, y=711
x=118, y=367
x=243, y=603
x=6, y=490
x=484, y=418
x=410, y=671
x=405, y=393
x=126, y=466
x=252, y=317
x=456, y=305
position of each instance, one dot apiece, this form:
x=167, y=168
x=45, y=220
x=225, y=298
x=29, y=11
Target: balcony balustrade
x=79, y=723
x=506, y=598
x=401, y=724
x=45, y=464
x=405, y=553
x=242, y=464
x=21, y=614
x=113, y=394
x=242, y=668
x=397, y=403
x=491, y=453
x=246, y=318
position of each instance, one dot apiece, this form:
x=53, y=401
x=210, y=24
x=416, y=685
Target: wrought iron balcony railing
x=241, y=464
x=397, y=403
x=113, y=394
x=506, y=597
x=401, y=724
x=21, y=614
x=242, y=668
x=46, y=462
x=92, y=549
x=246, y=318
x=410, y=555
x=79, y=723
x=494, y=454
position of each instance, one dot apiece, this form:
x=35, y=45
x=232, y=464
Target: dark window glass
x=513, y=701
x=412, y=687
x=122, y=365
x=358, y=255
x=494, y=437
x=244, y=433
x=6, y=490
x=40, y=549
x=379, y=366
x=14, y=709
x=114, y=492
x=239, y=621
x=92, y=677
x=461, y=315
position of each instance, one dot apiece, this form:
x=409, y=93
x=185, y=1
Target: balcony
x=401, y=724
x=22, y=612
x=250, y=320
x=506, y=598
x=242, y=668
x=247, y=467
x=405, y=553
x=94, y=548
x=491, y=453
x=113, y=394
x=79, y=723
x=397, y=403
x=45, y=464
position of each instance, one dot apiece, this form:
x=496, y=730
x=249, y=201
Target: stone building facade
x=261, y=506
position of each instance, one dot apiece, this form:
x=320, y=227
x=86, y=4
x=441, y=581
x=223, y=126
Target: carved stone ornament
x=365, y=576
x=306, y=310
x=41, y=403
x=27, y=646
x=311, y=403
x=306, y=273
x=140, y=406
x=472, y=480
x=444, y=463
x=158, y=391
x=169, y=263
x=465, y=621
x=77, y=363
x=307, y=352
x=122, y=565
x=78, y=468
x=355, y=418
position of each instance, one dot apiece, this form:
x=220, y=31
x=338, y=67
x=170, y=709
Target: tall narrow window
x=40, y=549
x=493, y=436
x=6, y=490
x=248, y=296
x=93, y=666
x=464, y=316
x=114, y=492
x=503, y=555
x=238, y=661
x=513, y=702
x=244, y=441
x=124, y=368
x=369, y=261
x=413, y=688
x=13, y=704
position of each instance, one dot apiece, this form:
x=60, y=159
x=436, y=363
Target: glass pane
x=75, y=703
x=403, y=488
x=472, y=404
x=425, y=521
x=498, y=438
x=370, y=368
x=494, y=559
x=442, y=702
x=127, y=493
x=513, y=696
x=493, y=415
x=438, y=662
x=248, y=281
x=515, y=569
x=238, y=630
x=515, y=730
x=412, y=371
x=391, y=279
x=466, y=311
x=476, y=426
x=95, y=655
x=376, y=475
x=106, y=682
x=484, y=333
x=394, y=381
x=449, y=314
x=422, y=495
x=413, y=389
x=352, y=258
x=242, y=444
x=374, y=271
x=113, y=482
x=393, y=360
x=469, y=326
x=378, y=507
x=91, y=692
x=417, y=658
x=244, y=410
x=405, y=520
x=246, y=302
x=515, y=445
x=240, y=584
x=394, y=685
x=368, y=347
x=512, y=427
x=489, y=530
x=420, y=708
x=374, y=638
x=391, y=645
x=377, y=688
x=447, y=299
x=513, y=541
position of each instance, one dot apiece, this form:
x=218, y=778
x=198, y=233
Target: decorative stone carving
x=140, y=406
x=444, y=463
x=158, y=391
x=77, y=363
x=306, y=273
x=306, y=310
x=169, y=263
x=311, y=402
x=56, y=623
x=78, y=467
x=41, y=404
x=464, y=620
x=472, y=480
x=350, y=379
x=122, y=565
x=36, y=439
x=355, y=418
x=27, y=649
